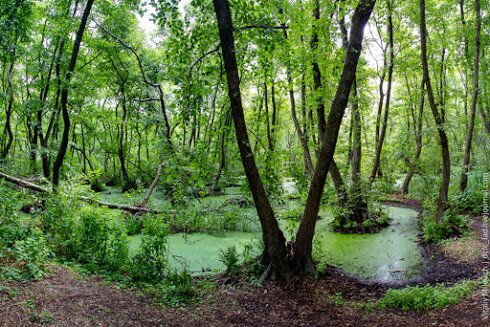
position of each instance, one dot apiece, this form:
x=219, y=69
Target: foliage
x=471, y=200
x=23, y=248
x=229, y=257
x=101, y=238
x=452, y=225
x=351, y=219
x=150, y=263
x=426, y=297
x=214, y=220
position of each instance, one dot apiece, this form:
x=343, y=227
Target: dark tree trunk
x=356, y=189
x=302, y=248
x=438, y=118
x=222, y=140
x=379, y=145
x=8, y=114
x=474, y=100
x=466, y=60
x=339, y=185
x=275, y=251
x=64, y=95
x=317, y=76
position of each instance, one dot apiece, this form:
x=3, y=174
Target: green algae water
x=391, y=255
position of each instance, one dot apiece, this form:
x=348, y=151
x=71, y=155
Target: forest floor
x=67, y=298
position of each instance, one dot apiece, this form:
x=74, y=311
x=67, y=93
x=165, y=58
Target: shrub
x=32, y=254
x=451, y=225
x=470, y=201
x=23, y=247
x=101, y=238
x=151, y=261
x=179, y=287
x=134, y=224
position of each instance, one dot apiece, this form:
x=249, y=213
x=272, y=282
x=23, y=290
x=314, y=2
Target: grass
x=466, y=248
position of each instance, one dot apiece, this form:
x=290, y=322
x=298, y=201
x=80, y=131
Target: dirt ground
x=66, y=299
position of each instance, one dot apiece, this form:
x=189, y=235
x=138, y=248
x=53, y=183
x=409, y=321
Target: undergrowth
x=426, y=297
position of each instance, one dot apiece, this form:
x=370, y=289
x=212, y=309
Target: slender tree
x=474, y=100
x=64, y=94
x=438, y=118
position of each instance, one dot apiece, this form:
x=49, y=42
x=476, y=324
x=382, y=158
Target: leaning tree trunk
x=438, y=118
x=471, y=124
x=302, y=247
x=275, y=252
x=64, y=95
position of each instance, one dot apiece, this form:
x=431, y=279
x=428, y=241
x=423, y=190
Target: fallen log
x=24, y=183
x=41, y=189
x=133, y=209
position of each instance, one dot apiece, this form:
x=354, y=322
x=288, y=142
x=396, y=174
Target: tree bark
x=10, y=103
x=301, y=134
x=474, y=100
x=438, y=118
x=317, y=76
x=302, y=247
x=379, y=146
x=275, y=247
x=64, y=95
x=418, y=140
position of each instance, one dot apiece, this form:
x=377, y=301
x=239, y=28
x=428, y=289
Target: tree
x=438, y=118
x=275, y=248
x=474, y=100
x=64, y=94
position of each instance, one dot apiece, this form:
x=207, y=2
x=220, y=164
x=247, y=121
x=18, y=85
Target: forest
x=244, y=163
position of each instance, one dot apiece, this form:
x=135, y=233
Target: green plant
x=32, y=255
x=426, y=297
x=452, y=225
x=470, y=201
x=151, y=261
x=229, y=258
x=101, y=238
x=179, y=287
x=44, y=317
x=134, y=224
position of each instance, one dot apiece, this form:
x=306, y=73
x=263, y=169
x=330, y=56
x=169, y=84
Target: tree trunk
x=64, y=95
x=10, y=104
x=474, y=100
x=379, y=145
x=275, y=251
x=270, y=142
x=317, y=76
x=301, y=133
x=302, y=247
x=438, y=118
x=418, y=141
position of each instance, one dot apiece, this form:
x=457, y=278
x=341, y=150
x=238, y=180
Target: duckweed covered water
x=390, y=255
